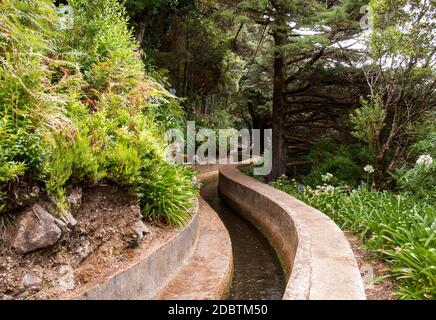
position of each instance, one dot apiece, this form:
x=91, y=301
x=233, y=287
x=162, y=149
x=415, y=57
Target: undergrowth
x=77, y=108
x=399, y=228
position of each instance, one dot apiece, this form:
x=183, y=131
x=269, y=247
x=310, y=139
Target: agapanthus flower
x=368, y=168
x=327, y=177
x=424, y=160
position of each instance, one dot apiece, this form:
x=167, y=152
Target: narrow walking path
x=206, y=274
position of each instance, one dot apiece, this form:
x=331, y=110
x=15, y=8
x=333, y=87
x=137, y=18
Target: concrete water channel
x=197, y=262
x=257, y=271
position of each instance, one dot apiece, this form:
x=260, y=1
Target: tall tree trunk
x=279, y=146
x=378, y=174
x=186, y=66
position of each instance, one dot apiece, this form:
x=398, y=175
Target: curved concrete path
x=313, y=250
x=207, y=274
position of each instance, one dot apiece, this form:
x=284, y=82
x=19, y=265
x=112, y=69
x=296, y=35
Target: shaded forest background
x=302, y=68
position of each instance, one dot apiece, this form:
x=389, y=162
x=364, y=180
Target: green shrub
x=367, y=119
x=70, y=161
x=420, y=178
x=28, y=103
x=58, y=171
x=425, y=136
x=345, y=162
x=420, y=181
x=249, y=170
x=168, y=194
x=124, y=164
x=103, y=43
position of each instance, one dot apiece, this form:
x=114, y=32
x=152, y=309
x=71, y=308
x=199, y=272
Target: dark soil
x=372, y=271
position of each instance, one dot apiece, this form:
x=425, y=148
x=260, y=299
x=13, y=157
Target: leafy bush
x=260, y=162
x=76, y=107
x=125, y=164
x=29, y=106
x=420, y=177
x=399, y=228
x=168, y=189
x=420, y=180
x=367, y=119
x=425, y=136
x=102, y=43
x=345, y=162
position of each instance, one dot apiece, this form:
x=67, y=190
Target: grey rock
x=31, y=281
x=36, y=229
x=69, y=219
x=61, y=224
x=139, y=230
x=75, y=199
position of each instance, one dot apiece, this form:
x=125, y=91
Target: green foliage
x=76, y=108
x=344, y=161
x=400, y=73
x=102, y=42
x=157, y=15
x=399, y=228
x=367, y=119
x=249, y=170
x=58, y=171
x=420, y=180
x=425, y=136
x=29, y=105
x=124, y=164
x=403, y=29
x=219, y=118
x=168, y=189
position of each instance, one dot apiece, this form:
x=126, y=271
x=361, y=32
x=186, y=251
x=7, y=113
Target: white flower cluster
x=327, y=177
x=324, y=189
x=368, y=168
x=424, y=160
x=329, y=188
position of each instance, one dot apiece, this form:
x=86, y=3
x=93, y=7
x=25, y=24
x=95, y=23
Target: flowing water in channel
x=257, y=271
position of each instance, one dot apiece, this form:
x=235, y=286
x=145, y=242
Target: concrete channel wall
x=143, y=278
x=314, y=252
x=196, y=263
